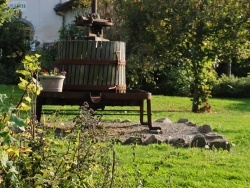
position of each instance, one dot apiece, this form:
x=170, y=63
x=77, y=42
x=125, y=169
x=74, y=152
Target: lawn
x=165, y=166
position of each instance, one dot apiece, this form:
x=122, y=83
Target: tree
x=196, y=33
x=13, y=43
x=6, y=13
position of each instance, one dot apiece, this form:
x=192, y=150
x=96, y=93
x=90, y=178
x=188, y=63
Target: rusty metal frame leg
x=149, y=114
x=142, y=113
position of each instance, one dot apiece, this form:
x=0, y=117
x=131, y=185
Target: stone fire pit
x=180, y=134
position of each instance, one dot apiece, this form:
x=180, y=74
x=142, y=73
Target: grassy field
x=165, y=166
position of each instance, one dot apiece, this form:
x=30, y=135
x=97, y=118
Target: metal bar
x=90, y=61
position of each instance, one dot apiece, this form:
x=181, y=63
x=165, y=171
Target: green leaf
x=4, y=159
x=18, y=122
x=24, y=72
x=3, y=97
x=13, y=170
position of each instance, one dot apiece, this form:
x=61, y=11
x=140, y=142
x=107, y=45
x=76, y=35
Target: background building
x=44, y=18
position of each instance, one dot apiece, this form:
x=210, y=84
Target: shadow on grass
x=241, y=105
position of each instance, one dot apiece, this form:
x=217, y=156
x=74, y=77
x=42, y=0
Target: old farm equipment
x=95, y=72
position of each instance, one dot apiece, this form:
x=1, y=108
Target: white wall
x=41, y=14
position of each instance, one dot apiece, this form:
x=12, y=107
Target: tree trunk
x=229, y=68
x=196, y=96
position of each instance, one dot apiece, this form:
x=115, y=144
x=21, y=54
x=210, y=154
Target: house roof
x=63, y=6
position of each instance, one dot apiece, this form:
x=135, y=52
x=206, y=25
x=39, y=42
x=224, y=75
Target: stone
x=126, y=121
x=117, y=120
x=205, y=129
x=183, y=120
x=163, y=120
x=157, y=131
x=191, y=124
x=198, y=141
x=178, y=142
x=219, y=144
x=133, y=140
x=213, y=135
x=154, y=139
x=217, y=141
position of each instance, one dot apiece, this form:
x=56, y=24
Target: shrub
x=232, y=87
x=174, y=82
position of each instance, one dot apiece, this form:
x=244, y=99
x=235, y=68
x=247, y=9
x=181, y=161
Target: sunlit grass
x=166, y=166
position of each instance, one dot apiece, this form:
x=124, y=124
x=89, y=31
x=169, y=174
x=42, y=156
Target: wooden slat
x=86, y=72
x=89, y=49
x=75, y=52
x=66, y=81
x=81, y=76
x=93, y=63
x=77, y=74
x=96, y=76
x=104, y=48
x=111, y=51
x=98, y=50
x=84, y=49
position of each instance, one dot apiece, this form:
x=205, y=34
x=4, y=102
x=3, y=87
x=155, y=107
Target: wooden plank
x=103, y=52
x=98, y=50
x=81, y=76
x=67, y=47
x=75, y=50
x=86, y=72
x=115, y=71
x=85, y=68
x=79, y=49
x=109, y=75
x=89, y=49
x=93, y=50
x=107, y=56
x=96, y=56
x=70, y=75
x=96, y=76
x=90, y=75
x=99, y=77
x=91, y=54
x=84, y=49
x=77, y=74
x=111, y=50
x=70, y=48
x=66, y=68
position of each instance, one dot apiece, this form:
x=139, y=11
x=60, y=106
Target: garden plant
x=32, y=155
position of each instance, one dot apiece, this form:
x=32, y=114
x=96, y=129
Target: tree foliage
x=196, y=34
x=12, y=43
x=14, y=47
x=6, y=13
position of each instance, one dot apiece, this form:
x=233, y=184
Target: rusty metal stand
x=131, y=98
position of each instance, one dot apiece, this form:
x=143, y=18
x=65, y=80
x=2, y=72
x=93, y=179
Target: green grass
x=166, y=166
